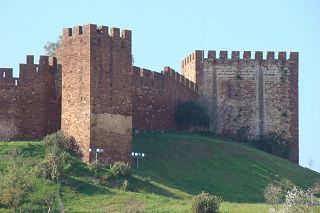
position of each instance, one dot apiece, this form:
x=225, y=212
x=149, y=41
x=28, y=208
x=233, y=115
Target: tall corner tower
x=97, y=90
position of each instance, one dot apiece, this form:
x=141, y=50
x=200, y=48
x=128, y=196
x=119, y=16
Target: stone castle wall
x=156, y=97
x=253, y=94
x=97, y=91
x=98, y=97
x=30, y=102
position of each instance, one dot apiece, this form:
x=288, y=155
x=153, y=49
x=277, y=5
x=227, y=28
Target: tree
x=58, y=150
x=15, y=184
x=190, y=114
x=50, y=47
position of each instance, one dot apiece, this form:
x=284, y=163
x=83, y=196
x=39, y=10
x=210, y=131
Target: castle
x=92, y=92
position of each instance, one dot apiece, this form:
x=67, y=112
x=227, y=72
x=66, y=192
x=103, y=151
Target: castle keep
x=92, y=92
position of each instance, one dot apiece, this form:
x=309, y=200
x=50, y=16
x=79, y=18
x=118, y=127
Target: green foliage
x=118, y=175
x=50, y=47
x=120, y=170
x=190, y=114
x=59, y=141
x=52, y=167
x=180, y=165
x=15, y=184
x=206, y=203
x=96, y=167
x=273, y=143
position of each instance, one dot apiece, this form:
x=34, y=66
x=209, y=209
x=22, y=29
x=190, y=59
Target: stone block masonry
x=256, y=94
x=93, y=93
x=156, y=97
x=30, y=102
x=97, y=91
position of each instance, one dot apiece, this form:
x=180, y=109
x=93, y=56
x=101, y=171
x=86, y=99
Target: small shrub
x=52, y=167
x=120, y=170
x=95, y=166
x=273, y=143
x=206, y=203
x=59, y=140
x=15, y=183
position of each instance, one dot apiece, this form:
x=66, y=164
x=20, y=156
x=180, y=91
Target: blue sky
x=165, y=31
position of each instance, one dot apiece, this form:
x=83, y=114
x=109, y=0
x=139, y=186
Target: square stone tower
x=247, y=95
x=97, y=91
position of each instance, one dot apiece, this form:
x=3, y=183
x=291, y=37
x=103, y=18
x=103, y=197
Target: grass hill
x=177, y=165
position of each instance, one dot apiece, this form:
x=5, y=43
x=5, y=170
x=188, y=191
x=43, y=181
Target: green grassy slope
x=193, y=163
x=179, y=165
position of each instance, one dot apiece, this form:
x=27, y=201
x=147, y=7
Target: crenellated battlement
x=263, y=83
x=145, y=77
x=95, y=86
x=93, y=30
x=248, y=55
x=28, y=71
x=156, y=96
x=196, y=56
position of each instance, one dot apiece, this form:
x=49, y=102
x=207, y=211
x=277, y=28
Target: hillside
x=179, y=165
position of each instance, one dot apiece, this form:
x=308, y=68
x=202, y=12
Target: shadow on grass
x=87, y=188
x=139, y=185
x=33, y=150
x=78, y=168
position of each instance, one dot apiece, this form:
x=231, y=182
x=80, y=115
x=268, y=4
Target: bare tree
x=8, y=130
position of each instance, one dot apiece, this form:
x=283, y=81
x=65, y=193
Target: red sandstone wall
x=30, y=100
x=156, y=96
x=111, y=93
x=96, y=90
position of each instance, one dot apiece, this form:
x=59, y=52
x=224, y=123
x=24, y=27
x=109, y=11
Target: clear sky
x=165, y=31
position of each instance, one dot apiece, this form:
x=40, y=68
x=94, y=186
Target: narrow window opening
x=16, y=82
x=4, y=74
x=37, y=69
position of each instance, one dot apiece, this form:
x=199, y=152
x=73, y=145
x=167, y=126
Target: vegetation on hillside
x=177, y=166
